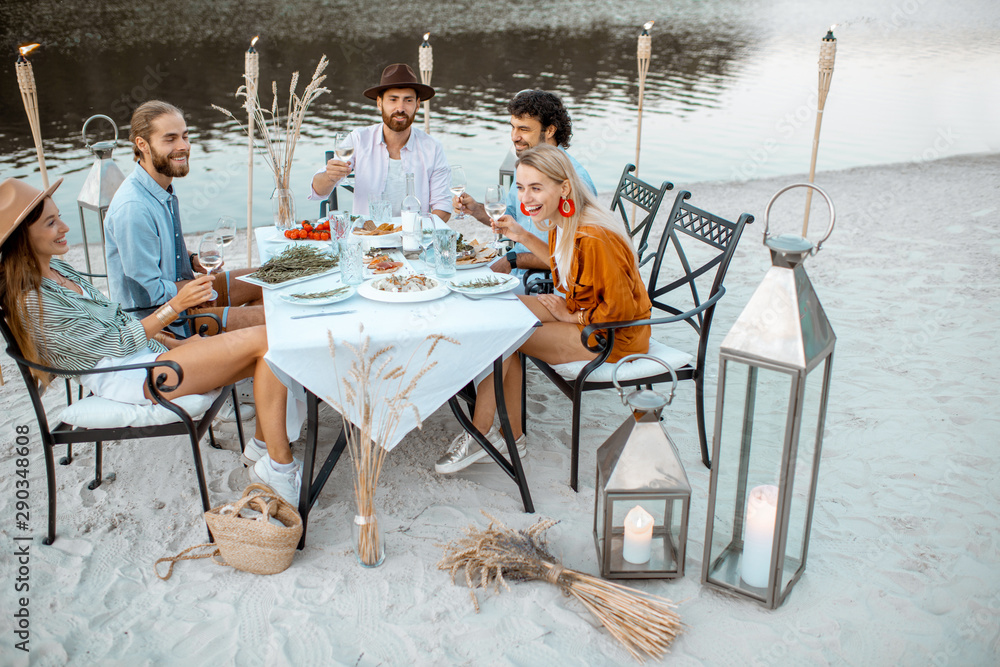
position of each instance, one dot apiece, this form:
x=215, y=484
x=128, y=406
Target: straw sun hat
x=17, y=199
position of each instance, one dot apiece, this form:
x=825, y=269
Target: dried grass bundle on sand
x=498, y=554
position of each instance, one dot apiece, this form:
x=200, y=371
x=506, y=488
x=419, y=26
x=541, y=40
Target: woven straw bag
x=251, y=544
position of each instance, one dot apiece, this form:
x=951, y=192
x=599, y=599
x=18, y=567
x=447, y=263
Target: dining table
x=312, y=344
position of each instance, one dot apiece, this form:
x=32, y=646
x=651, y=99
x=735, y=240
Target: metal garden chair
x=181, y=422
x=703, y=244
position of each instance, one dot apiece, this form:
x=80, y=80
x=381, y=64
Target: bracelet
x=579, y=317
x=166, y=314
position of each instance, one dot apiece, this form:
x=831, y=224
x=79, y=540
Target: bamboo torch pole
x=251, y=72
x=426, y=62
x=827, y=54
x=643, y=54
x=29, y=95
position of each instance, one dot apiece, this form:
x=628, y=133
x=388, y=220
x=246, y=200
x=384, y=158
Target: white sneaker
x=253, y=452
x=495, y=436
x=287, y=484
x=463, y=452
x=228, y=412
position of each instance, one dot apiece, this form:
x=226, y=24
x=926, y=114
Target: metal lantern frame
x=100, y=186
x=783, y=330
x=639, y=464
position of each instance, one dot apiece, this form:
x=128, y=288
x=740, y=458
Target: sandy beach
x=910, y=280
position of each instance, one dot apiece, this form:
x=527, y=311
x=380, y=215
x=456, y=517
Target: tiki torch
x=643, y=54
x=426, y=60
x=251, y=72
x=29, y=94
x=827, y=54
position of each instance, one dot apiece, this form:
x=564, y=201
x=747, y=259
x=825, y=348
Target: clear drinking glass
x=444, y=252
x=210, y=255
x=343, y=146
x=226, y=229
x=495, y=205
x=458, y=184
x=351, y=264
x=427, y=240
x=379, y=208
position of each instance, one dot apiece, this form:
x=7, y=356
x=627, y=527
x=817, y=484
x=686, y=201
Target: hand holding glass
x=458, y=184
x=210, y=255
x=495, y=208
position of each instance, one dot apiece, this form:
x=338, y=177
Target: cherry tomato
x=325, y=236
x=288, y=234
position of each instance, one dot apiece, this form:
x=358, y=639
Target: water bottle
x=410, y=212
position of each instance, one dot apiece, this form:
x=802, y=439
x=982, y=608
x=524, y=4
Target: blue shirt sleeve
x=138, y=246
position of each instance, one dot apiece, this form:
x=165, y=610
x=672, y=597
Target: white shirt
x=423, y=155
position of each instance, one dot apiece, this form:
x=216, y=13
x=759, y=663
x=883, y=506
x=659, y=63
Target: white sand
x=909, y=280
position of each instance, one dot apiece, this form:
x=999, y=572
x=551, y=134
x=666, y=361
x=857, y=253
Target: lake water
x=730, y=95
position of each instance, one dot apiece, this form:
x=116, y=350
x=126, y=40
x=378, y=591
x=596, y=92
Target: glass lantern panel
x=752, y=431
x=663, y=543
x=799, y=512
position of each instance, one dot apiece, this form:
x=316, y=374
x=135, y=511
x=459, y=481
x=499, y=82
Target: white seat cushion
x=633, y=370
x=97, y=412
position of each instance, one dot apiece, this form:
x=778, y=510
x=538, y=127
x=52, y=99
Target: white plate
x=323, y=301
x=480, y=265
x=368, y=291
x=395, y=256
x=293, y=281
x=509, y=283
x=394, y=240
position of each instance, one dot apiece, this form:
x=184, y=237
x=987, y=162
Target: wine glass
x=210, y=255
x=495, y=205
x=458, y=184
x=225, y=228
x=343, y=146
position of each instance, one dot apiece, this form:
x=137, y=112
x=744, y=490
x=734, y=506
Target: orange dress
x=604, y=281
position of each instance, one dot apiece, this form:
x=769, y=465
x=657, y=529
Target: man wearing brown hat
x=385, y=152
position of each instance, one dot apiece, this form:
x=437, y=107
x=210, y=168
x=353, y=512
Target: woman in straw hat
x=593, y=264
x=60, y=319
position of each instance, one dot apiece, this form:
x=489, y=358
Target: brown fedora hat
x=17, y=199
x=400, y=76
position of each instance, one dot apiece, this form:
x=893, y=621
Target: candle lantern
x=774, y=381
x=101, y=184
x=643, y=496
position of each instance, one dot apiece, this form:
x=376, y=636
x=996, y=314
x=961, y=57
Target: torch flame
x=648, y=24
x=253, y=42
x=833, y=26
x=25, y=50
x=427, y=36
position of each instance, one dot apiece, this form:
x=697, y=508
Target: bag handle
x=182, y=556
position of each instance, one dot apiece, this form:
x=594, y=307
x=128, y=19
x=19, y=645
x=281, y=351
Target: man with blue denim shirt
x=147, y=257
x=535, y=116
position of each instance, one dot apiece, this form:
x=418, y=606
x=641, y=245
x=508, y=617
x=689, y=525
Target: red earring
x=525, y=211
x=567, y=207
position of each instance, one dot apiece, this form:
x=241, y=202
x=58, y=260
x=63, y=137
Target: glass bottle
x=410, y=212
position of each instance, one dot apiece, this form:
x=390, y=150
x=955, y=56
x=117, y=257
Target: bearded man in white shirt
x=385, y=152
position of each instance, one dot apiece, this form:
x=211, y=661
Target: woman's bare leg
x=216, y=361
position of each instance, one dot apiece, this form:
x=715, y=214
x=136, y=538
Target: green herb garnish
x=481, y=283
x=322, y=295
x=295, y=262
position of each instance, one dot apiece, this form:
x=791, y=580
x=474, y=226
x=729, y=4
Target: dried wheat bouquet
x=643, y=623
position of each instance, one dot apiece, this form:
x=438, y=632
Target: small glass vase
x=283, y=207
x=366, y=535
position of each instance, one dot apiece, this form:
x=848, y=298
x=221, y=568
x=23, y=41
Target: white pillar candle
x=637, y=545
x=758, y=538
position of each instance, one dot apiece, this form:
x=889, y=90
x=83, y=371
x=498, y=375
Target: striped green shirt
x=80, y=330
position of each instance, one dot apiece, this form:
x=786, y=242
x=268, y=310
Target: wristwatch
x=512, y=259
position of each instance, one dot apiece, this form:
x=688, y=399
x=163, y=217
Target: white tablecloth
x=299, y=349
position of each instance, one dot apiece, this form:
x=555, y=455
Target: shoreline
x=904, y=556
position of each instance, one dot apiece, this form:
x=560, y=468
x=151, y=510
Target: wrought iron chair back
x=646, y=201
x=67, y=434
x=689, y=232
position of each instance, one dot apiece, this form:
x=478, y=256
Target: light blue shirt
x=144, y=243
x=514, y=207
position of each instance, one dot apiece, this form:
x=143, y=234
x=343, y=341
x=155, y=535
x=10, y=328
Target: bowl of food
x=371, y=235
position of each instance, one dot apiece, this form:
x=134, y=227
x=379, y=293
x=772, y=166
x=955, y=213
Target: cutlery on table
x=335, y=312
